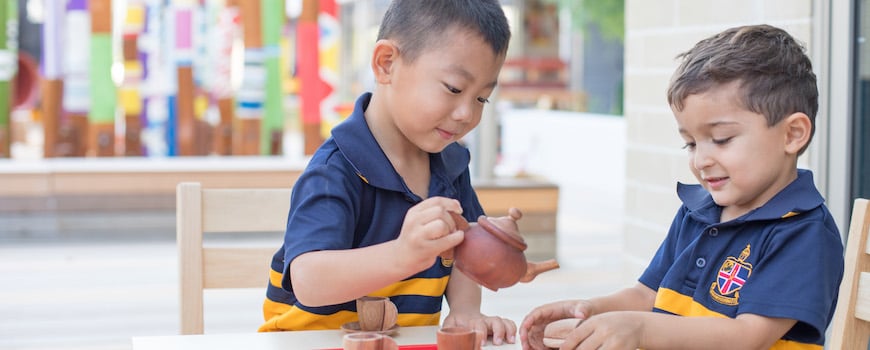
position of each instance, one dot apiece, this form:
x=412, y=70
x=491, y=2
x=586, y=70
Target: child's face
x=741, y=161
x=439, y=98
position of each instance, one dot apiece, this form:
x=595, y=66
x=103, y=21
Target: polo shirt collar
x=799, y=196
x=362, y=151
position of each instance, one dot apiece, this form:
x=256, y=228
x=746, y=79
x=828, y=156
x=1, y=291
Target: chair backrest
x=850, y=328
x=201, y=211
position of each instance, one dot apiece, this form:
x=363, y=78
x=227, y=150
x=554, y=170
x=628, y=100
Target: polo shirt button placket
x=713, y=232
x=700, y=262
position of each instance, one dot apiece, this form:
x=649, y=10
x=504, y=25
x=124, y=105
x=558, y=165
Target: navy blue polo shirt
x=784, y=260
x=350, y=196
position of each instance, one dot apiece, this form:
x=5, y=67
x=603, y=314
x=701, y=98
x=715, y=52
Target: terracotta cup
x=458, y=338
x=376, y=313
x=368, y=341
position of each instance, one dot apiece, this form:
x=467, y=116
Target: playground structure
x=170, y=78
x=173, y=77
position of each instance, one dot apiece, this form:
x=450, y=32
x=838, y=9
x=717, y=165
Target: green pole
x=272, y=12
x=8, y=67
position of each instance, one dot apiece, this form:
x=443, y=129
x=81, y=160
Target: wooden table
x=328, y=339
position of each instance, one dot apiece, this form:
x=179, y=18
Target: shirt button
x=700, y=262
x=714, y=232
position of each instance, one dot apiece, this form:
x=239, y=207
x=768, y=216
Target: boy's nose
x=701, y=158
x=462, y=112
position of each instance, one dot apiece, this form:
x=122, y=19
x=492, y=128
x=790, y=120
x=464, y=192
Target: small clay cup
x=376, y=313
x=368, y=341
x=458, y=338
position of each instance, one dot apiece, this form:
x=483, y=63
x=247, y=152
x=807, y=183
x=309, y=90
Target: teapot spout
x=535, y=268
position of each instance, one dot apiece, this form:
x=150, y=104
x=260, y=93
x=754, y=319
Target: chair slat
x=245, y=210
x=236, y=267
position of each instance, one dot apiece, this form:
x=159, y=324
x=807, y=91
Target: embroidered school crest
x=731, y=277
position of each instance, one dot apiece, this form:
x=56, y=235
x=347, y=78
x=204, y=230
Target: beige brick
x=653, y=128
x=787, y=9
x=711, y=12
x=645, y=14
x=646, y=89
x=641, y=242
x=647, y=167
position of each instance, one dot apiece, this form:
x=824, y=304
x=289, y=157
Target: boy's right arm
x=328, y=277
x=638, y=298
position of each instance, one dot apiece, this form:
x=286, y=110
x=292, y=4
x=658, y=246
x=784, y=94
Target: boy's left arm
x=463, y=297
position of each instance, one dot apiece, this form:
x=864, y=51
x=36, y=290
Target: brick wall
x=656, y=31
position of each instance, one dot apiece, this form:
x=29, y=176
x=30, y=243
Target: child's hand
x=609, y=330
x=532, y=328
x=501, y=329
x=428, y=230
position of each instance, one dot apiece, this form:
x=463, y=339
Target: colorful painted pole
x=130, y=98
x=309, y=77
x=227, y=31
x=250, y=98
x=8, y=66
x=52, y=73
x=184, y=68
x=153, y=44
x=76, y=87
x=272, y=138
x=103, y=91
x=328, y=46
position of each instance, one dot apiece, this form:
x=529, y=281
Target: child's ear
x=798, y=128
x=384, y=56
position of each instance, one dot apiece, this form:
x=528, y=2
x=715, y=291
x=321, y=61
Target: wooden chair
x=851, y=324
x=200, y=211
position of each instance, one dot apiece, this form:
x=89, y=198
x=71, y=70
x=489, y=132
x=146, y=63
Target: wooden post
x=103, y=91
x=252, y=94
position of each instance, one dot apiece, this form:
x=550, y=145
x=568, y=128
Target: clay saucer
x=353, y=327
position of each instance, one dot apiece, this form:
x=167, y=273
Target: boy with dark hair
x=753, y=258
x=369, y=216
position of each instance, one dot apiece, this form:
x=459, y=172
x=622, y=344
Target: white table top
x=328, y=339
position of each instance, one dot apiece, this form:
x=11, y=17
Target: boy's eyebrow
x=455, y=68
x=682, y=130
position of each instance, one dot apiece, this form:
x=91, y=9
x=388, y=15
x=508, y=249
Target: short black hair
x=418, y=24
x=775, y=75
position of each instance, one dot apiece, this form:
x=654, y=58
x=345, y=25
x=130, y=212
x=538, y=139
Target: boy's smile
x=733, y=153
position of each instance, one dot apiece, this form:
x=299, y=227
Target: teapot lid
x=505, y=228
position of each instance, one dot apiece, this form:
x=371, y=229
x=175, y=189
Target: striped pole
x=130, y=97
x=184, y=67
x=227, y=31
x=329, y=44
x=76, y=87
x=52, y=73
x=249, y=108
x=102, y=90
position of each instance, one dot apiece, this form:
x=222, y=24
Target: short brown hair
x=776, y=76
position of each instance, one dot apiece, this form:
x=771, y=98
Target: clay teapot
x=492, y=253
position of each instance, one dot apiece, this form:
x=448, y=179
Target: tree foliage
x=607, y=15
